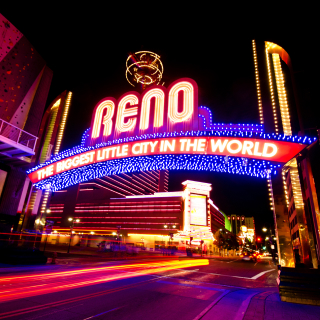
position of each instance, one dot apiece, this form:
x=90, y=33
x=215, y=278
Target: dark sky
x=86, y=47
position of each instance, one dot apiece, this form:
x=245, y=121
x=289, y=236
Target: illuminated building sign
x=165, y=129
x=198, y=212
x=278, y=151
x=157, y=109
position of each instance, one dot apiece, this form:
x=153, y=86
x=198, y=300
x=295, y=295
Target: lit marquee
x=122, y=139
x=124, y=112
x=159, y=95
x=132, y=113
x=188, y=98
x=107, y=107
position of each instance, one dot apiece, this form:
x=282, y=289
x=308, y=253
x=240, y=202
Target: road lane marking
x=244, y=306
x=211, y=305
x=191, y=285
x=261, y=274
x=232, y=261
x=226, y=275
x=103, y=313
x=60, y=310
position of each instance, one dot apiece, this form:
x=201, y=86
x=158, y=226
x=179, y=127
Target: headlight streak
x=53, y=284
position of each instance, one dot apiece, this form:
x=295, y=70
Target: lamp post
x=39, y=225
x=47, y=229
x=170, y=225
x=71, y=230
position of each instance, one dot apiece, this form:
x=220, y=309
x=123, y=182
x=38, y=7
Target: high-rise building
x=49, y=141
x=293, y=198
x=24, y=85
x=237, y=221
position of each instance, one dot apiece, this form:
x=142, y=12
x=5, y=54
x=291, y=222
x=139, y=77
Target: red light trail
x=43, y=283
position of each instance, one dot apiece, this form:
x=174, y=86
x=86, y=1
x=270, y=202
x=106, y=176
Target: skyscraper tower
x=296, y=221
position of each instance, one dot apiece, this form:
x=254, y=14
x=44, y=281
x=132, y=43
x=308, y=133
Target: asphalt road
x=163, y=288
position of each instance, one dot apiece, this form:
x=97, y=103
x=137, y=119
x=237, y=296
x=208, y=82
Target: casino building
x=161, y=218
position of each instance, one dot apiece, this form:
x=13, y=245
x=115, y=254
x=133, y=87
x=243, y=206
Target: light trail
x=27, y=286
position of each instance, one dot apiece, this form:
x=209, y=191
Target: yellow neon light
x=255, y=59
x=124, y=112
x=63, y=123
x=271, y=91
x=188, y=102
x=270, y=194
x=56, y=104
x=295, y=182
x=44, y=202
x=285, y=187
x=158, y=94
x=146, y=69
x=107, y=119
x=144, y=234
x=284, y=109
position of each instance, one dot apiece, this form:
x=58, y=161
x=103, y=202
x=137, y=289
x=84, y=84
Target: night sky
x=87, y=49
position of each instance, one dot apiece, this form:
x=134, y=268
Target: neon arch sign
x=181, y=136
x=171, y=109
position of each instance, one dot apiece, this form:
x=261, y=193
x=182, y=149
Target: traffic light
x=258, y=239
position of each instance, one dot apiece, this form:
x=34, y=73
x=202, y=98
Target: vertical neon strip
x=63, y=123
x=188, y=102
x=270, y=192
x=285, y=188
x=57, y=147
x=284, y=109
x=158, y=94
x=48, y=136
x=256, y=71
x=44, y=202
x=271, y=92
x=107, y=119
x=124, y=112
x=295, y=181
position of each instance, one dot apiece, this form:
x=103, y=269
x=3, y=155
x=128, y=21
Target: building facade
x=162, y=217
x=237, y=221
x=294, y=197
x=24, y=86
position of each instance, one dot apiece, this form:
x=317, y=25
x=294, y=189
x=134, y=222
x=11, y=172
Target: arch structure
x=179, y=136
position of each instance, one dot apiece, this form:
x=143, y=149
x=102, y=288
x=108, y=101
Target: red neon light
x=269, y=150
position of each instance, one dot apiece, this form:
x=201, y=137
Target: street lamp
x=264, y=229
x=38, y=224
x=71, y=230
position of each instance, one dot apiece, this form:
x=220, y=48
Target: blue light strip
x=234, y=165
x=229, y=127
x=212, y=133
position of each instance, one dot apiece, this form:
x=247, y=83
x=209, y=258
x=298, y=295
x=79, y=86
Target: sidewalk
x=268, y=306
x=252, y=304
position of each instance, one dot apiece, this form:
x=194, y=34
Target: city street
x=145, y=288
